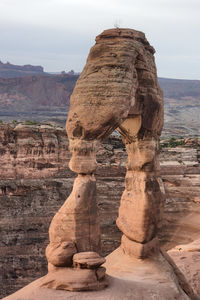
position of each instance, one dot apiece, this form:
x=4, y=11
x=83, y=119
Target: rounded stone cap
x=121, y=32
x=87, y=260
x=125, y=33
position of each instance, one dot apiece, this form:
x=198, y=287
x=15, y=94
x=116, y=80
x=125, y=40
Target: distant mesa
x=8, y=70
x=21, y=68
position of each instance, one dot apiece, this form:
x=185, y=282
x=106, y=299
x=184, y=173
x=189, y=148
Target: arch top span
x=118, y=79
x=118, y=82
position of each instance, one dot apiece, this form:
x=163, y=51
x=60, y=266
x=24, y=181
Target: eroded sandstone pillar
x=141, y=204
x=74, y=262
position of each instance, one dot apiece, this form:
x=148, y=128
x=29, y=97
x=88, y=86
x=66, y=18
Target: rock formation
x=118, y=88
x=34, y=182
x=73, y=260
x=120, y=73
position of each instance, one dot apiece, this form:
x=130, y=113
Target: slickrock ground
x=137, y=279
x=187, y=258
x=36, y=180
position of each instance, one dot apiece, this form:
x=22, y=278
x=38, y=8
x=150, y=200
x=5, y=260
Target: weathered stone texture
x=118, y=79
x=118, y=89
x=187, y=259
x=28, y=204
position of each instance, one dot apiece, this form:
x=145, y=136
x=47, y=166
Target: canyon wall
x=33, y=93
x=35, y=181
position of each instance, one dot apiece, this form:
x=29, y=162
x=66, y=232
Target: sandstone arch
x=118, y=89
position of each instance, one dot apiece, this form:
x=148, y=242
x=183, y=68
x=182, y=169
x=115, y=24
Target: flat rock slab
x=129, y=279
x=187, y=258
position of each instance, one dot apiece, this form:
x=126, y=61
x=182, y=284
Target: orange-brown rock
x=143, y=199
x=118, y=79
x=120, y=69
x=140, y=211
x=119, y=87
x=139, y=250
x=83, y=159
x=74, y=280
x=128, y=278
x=88, y=260
x=77, y=220
x=60, y=254
x=75, y=228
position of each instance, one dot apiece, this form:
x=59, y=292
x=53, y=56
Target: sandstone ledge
x=129, y=279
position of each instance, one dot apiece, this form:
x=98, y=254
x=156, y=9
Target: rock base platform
x=128, y=279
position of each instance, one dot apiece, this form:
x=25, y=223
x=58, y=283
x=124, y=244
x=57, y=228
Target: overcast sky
x=58, y=34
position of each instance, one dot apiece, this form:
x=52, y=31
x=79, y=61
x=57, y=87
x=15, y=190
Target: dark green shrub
x=29, y=122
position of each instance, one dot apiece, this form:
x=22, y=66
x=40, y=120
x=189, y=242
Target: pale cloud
x=59, y=33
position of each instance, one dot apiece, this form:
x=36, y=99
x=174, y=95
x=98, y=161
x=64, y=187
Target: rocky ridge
x=35, y=181
x=8, y=70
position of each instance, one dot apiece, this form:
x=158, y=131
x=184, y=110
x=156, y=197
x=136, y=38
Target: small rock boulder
x=60, y=255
